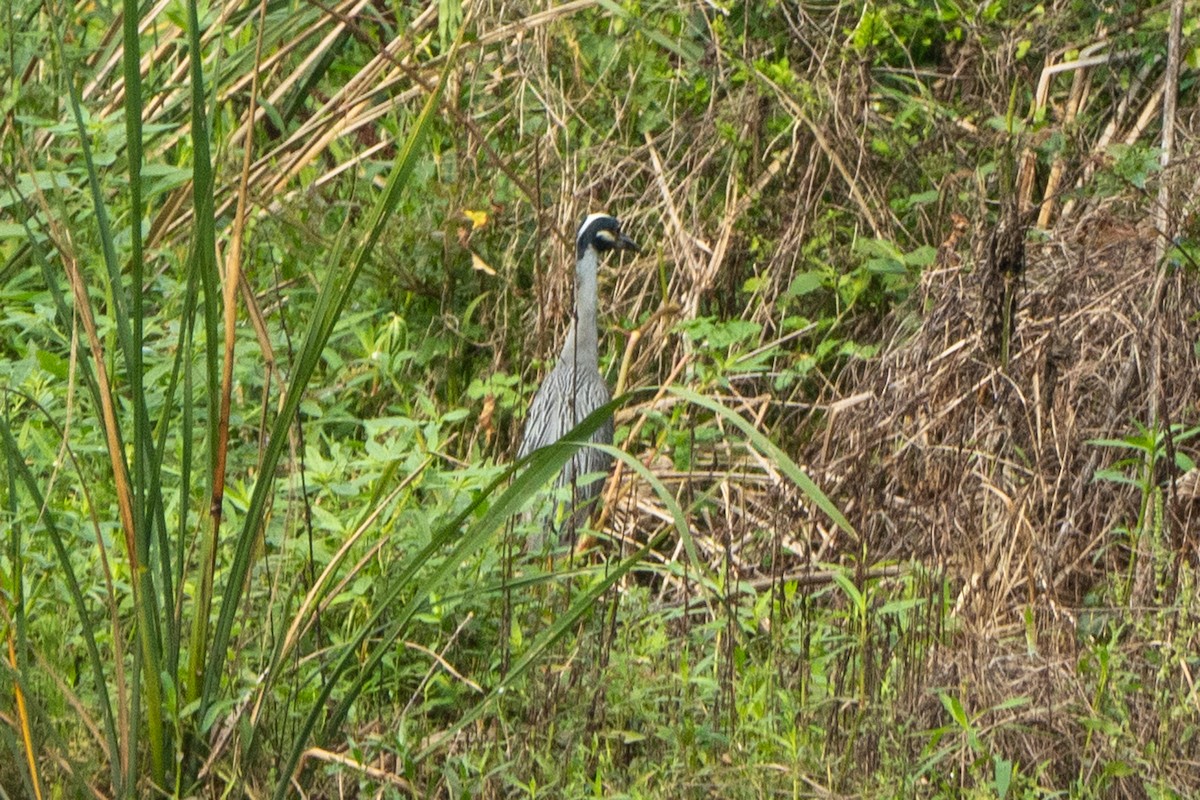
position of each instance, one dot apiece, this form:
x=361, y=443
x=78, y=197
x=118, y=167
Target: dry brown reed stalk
x=383, y=83
x=940, y=456
x=985, y=470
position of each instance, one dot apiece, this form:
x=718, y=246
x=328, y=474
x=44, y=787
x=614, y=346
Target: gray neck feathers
x=581, y=347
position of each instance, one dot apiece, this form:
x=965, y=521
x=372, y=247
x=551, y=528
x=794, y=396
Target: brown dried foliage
x=969, y=446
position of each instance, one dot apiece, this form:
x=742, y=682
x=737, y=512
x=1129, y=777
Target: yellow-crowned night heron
x=575, y=387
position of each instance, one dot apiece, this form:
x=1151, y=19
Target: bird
x=574, y=388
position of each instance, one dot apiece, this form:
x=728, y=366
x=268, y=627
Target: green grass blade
x=781, y=459
x=542, y=467
x=147, y=475
x=144, y=593
x=334, y=295
x=583, y=603
x=204, y=264
x=18, y=469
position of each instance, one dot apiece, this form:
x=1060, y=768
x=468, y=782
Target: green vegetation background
x=278, y=281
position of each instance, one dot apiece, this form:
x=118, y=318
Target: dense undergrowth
x=278, y=282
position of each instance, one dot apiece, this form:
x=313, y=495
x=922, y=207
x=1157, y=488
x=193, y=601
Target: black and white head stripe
x=603, y=233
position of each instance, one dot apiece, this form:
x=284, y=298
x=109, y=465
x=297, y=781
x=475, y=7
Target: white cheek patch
x=591, y=220
x=606, y=237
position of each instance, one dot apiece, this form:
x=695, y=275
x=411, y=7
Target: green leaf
x=1003, y=775
x=806, y=283
x=955, y=709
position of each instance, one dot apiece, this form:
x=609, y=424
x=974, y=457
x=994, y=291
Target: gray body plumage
x=575, y=388
x=568, y=394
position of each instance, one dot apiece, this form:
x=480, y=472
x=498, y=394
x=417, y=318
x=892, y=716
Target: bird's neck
x=582, y=343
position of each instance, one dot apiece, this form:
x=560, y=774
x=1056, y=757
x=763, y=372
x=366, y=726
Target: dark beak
x=625, y=243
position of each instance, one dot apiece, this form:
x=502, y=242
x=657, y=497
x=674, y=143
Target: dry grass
x=975, y=460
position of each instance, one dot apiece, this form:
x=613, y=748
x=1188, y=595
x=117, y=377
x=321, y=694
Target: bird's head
x=603, y=233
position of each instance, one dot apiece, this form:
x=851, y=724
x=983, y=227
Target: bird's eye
x=606, y=236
